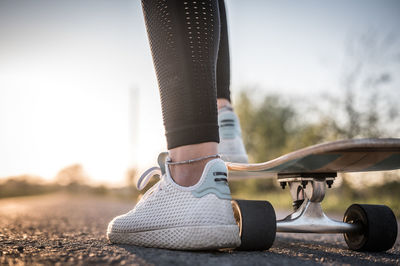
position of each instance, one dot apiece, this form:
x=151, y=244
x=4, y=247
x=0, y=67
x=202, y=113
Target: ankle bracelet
x=170, y=162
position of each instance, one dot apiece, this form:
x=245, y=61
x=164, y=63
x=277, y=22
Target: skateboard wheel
x=257, y=224
x=379, y=225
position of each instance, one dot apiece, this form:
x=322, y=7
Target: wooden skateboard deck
x=355, y=155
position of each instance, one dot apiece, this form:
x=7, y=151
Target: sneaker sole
x=184, y=238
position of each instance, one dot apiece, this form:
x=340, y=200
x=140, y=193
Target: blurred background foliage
x=364, y=104
x=272, y=126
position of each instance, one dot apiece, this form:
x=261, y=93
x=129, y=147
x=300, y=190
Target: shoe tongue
x=162, y=157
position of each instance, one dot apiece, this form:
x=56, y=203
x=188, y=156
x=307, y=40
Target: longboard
x=307, y=173
x=356, y=155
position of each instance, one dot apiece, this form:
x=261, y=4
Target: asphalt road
x=70, y=230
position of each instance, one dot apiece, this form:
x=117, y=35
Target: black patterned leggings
x=189, y=44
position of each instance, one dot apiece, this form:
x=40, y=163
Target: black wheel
x=257, y=223
x=379, y=227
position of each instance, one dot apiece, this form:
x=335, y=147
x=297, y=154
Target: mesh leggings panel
x=184, y=38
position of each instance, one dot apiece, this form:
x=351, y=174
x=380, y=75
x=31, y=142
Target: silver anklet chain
x=169, y=162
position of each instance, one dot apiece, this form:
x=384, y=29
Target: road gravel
x=70, y=230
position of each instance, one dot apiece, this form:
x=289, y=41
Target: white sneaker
x=176, y=217
x=231, y=145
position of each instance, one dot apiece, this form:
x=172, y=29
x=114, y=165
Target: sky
x=77, y=83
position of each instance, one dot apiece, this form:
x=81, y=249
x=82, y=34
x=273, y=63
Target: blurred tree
x=266, y=125
x=272, y=125
x=22, y=185
x=72, y=175
x=368, y=106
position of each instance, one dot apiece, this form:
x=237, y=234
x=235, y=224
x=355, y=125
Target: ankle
x=189, y=174
x=221, y=103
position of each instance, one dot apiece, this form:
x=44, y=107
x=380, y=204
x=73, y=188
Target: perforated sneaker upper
x=168, y=205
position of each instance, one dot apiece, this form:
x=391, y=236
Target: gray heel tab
x=214, y=181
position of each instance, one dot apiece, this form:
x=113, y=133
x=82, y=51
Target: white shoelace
x=147, y=175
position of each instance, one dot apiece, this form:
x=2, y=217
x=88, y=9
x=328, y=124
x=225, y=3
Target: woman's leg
x=184, y=38
x=223, y=64
x=190, y=207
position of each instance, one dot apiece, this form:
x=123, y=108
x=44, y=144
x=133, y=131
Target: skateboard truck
x=309, y=216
